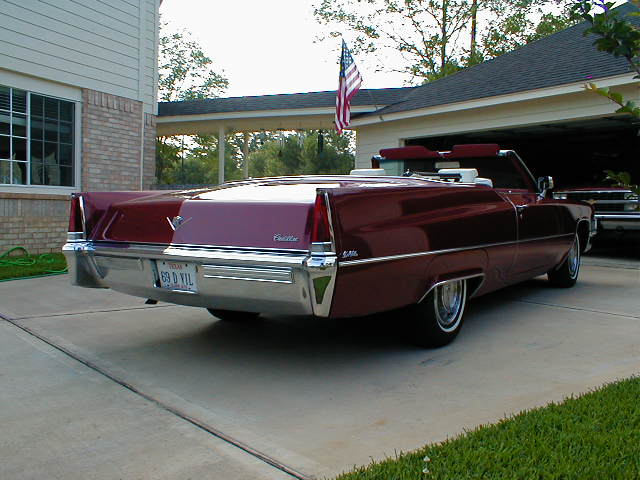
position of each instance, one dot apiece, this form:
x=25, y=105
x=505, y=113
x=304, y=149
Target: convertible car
x=421, y=230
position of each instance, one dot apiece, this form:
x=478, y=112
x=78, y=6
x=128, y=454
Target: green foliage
x=514, y=25
x=620, y=38
x=437, y=38
x=270, y=154
x=592, y=437
x=185, y=73
x=616, y=35
x=304, y=153
x=622, y=179
x=197, y=161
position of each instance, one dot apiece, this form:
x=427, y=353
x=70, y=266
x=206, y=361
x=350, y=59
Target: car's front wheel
x=566, y=274
x=437, y=320
x=233, y=316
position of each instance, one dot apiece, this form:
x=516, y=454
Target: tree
x=515, y=23
x=312, y=152
x=327, y=153
x=185, y=73
x=428, y=33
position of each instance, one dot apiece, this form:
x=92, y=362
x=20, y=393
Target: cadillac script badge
x=278, y=237
x=176, y=222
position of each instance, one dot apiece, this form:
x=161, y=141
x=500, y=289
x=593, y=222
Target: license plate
x=177, y=276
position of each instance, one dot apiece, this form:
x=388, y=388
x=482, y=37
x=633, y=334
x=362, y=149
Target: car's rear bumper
x=242, y=279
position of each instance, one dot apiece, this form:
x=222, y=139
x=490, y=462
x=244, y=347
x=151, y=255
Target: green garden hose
x=27, y=260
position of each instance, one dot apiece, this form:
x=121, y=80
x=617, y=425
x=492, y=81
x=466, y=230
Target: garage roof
x=564, y=57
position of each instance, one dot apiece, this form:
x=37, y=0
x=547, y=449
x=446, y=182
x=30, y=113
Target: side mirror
x=544, y=184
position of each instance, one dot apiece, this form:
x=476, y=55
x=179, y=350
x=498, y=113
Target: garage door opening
x=576, y=154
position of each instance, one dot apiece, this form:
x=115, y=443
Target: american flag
x=349, y=84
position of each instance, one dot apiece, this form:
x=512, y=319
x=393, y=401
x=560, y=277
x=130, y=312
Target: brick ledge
x=33, y=196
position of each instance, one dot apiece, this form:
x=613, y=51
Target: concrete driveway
x=94, y=384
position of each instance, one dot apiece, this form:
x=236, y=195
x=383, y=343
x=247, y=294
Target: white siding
x=106, y=46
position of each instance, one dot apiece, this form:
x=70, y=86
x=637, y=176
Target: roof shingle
x=564, y=57
x=379, y=96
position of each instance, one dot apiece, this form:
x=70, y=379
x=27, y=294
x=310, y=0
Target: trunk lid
x=252, y=214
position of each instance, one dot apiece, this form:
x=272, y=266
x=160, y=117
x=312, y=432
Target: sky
x=267, y=46
x=270, y=46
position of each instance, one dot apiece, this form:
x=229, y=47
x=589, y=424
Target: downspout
x=142, y=131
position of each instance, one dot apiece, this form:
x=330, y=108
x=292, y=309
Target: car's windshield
x=502, y=171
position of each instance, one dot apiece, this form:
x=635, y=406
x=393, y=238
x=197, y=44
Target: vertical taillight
x=321, y=231
x=76, y=220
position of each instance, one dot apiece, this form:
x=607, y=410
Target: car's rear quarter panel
x=385, y=222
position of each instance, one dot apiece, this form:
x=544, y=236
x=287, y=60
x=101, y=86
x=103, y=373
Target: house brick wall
x=114, y=130
x=37, y=222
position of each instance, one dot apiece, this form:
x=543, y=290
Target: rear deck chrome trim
x=254, y=274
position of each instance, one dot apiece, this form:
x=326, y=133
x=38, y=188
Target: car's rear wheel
x=566, y=274
x=233, y=316
x=438, y=318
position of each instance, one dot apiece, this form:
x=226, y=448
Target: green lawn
x=594, y=436
x=20, y=266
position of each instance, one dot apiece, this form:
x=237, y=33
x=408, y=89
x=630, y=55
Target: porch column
x=245, y=156
x=221, y=155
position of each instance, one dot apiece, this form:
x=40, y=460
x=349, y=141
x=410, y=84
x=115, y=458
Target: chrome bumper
x=251, y=280
x=618, y=221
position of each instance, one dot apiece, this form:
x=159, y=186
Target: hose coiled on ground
x=27, y=259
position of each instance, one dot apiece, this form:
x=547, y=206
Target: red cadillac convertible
x=420, y=230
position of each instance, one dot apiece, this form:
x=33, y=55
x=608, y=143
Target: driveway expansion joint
x=565, y=307
x=90, y=312
x=189, y=419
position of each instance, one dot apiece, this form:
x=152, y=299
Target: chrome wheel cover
x=448, y=303
x=573, y=260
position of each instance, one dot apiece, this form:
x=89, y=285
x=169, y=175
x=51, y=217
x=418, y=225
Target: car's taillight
x=321, y=231
x=76, y=220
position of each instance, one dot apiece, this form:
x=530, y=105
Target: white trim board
x=40, y=85
x=618, y=80
x=289, y=112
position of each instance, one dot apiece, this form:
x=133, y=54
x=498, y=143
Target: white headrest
x=368, y=172
x=468, y=175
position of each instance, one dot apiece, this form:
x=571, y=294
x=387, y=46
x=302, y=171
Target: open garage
x=575, y=153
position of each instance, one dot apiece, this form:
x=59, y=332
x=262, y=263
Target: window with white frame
x=36, y=139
